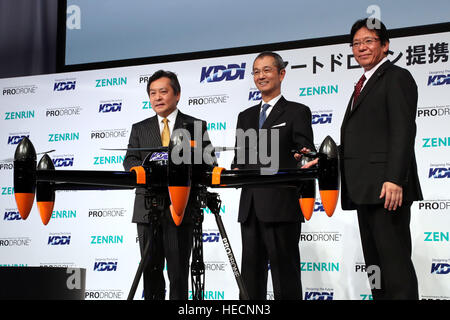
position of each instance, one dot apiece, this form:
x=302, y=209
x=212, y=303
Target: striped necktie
x=262, y=115
x=358, y=88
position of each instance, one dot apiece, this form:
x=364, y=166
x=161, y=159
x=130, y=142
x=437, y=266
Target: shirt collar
x=171, y=117
x=273, y=101
x=369, y=73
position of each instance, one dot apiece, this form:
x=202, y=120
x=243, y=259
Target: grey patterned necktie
x=262, y=115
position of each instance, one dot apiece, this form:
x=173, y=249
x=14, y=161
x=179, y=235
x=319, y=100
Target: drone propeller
x=12, y=159
x=159, y=149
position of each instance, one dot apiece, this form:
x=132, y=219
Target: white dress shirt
x=171, y=123
x=271, y=103
x=370, y=73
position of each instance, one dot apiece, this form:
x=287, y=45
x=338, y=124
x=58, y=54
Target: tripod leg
x=231, y=258
x=139, y=271
x=149, y=251
x=197, y=265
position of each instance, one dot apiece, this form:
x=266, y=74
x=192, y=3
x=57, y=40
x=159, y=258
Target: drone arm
x=221, y=178
x=102, y=179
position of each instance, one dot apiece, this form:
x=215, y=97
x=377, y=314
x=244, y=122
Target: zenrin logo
x=19, y=115
x=436, y=236
x=69, y=136
x=110, y=82
x=320, y=266
x=436, y=142
x=64, y=214
x=6, y=191
x=220, y=73
x=211, y=295
x=216, y=126
x=116, y=239
x=108, y=160
x=319, y=90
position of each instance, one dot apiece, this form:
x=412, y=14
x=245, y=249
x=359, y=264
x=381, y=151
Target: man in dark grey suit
x=378, y=163
x=174, y=243
x=271, y=217
x=379, y=171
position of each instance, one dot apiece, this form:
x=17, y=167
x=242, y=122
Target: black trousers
x=173, y=244
x=386, y=244
x=275, y=243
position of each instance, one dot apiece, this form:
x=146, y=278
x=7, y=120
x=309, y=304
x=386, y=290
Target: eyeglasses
x=265, y=71
x=366, y=42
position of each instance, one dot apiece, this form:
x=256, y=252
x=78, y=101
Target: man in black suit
x=271, y=217
x=379, y=171
x=173, y=243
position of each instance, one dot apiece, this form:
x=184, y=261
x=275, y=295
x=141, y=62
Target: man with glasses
x=271, y=217
x=379, y=171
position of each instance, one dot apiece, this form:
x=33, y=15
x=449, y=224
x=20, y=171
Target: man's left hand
x=393, y=194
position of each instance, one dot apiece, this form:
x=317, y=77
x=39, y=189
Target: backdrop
x=79, y=113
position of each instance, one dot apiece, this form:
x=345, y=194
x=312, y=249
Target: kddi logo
x=64, y=85
x=439, y=79
x=106, y=265
x=15, y=138
x=63, y=161
x=319, y=294
x=11, y=215
x=110, y=106
x=219, y=73
x=59, y=239
x=440, y=268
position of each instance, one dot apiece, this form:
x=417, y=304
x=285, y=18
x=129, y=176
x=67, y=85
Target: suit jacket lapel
x=370, y=83
x=276, y=112
x=154, y=132
x=179, y=121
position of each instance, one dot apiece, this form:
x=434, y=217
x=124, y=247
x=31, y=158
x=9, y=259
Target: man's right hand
x=309, y=164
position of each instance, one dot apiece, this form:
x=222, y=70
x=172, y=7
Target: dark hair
x=371, y=24
x=168, y=74
x=279, y=63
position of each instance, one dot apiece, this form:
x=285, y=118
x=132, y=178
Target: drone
x=158, y=171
